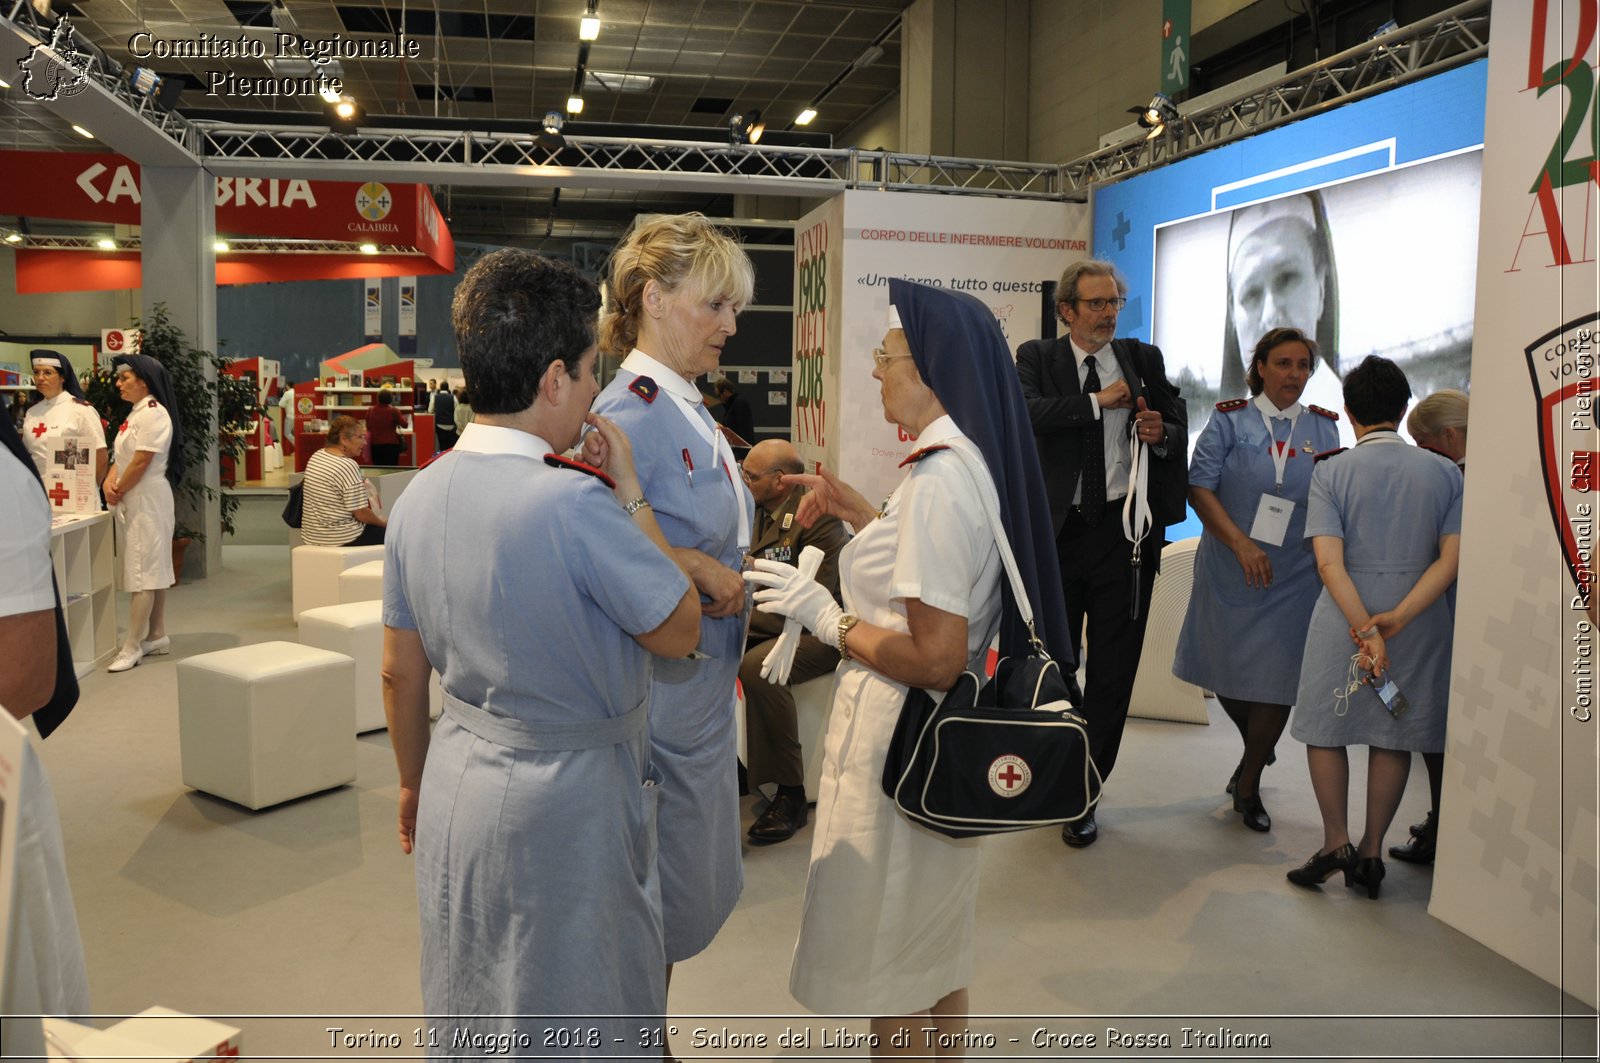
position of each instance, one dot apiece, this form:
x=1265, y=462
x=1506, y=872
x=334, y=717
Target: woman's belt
x=1397, y=568
x=548, y=737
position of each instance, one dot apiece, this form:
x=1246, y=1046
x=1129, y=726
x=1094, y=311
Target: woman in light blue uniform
x=535, y=587
x=1254, y=579
x=678, y=283
x=1385, y=521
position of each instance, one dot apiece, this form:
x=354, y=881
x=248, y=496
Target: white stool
x=1157, y=693
x=813, y=704
x=315, y=572
x=356, y=630
x=261, y=724
x=362, y=583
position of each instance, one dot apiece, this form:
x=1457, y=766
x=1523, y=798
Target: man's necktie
x=1092, y=499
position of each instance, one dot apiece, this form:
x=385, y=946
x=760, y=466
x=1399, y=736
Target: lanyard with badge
x=1274, y=511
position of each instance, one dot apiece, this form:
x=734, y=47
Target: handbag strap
x=972, y=461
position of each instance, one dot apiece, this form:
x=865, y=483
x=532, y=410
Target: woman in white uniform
x=147, y=463
x=889, y=913
x=61, y=415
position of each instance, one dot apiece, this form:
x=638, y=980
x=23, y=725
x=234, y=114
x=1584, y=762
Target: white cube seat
x=265, y=723
x=355, y=629
x=314, y=572
x=362, y=583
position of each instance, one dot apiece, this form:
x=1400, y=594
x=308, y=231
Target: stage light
x=369, y=249
x=574, y=104
x=13, y=238
x=1155, y=112
x=105, y=243
x=346, y=115
x=589, y=27
x=551, y=139
x=78, y=129
x=806, y=117
x=220, y=247
x=746, y=128
x=331, y=95
x=4, y=84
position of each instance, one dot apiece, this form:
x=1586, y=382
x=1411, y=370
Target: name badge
x=1272, y=519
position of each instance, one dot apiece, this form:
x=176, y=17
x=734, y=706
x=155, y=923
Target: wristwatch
x=636, y=505
x=846, y=622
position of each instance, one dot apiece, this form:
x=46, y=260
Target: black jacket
x=1061, y=413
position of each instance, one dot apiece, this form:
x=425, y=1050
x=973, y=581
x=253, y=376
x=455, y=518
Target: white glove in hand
x=787, y=592
x=776, y=665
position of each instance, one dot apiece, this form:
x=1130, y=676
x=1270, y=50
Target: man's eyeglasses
x=881, y=358
x=1098, y=305
x=752, y=477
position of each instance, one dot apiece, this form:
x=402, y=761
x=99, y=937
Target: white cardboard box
x=155, y=1035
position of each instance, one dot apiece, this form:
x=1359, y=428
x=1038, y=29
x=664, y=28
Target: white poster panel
x=408, y=306
x=818, y=273
x=1000, y=250
x=372, y=308
x=1517, y=847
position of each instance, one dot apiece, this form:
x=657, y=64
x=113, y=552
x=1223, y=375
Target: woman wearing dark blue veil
x=890, y=906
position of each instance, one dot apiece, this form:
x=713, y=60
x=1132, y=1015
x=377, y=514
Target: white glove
x=789, y=593
x=775, y=666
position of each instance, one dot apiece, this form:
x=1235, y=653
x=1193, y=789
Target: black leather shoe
x=1255, y=815
x=1233, y=780
x=1421, y=846
x=785, y=816
x=1368, y=876
x=1317, y=870
x=1081, y=833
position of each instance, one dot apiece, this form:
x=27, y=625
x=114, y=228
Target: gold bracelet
x=846, y=622
x=636, y=505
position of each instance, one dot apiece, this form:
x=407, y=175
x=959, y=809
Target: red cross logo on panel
x=59, y=494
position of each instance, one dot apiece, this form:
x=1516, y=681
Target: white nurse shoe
x=125, y=661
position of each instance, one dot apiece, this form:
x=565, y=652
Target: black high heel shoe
x=1368, y=875
x=1317, y=870
x=1254, y=813
x=1233, y=780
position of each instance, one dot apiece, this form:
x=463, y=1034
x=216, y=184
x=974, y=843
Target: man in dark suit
x=1089, y=396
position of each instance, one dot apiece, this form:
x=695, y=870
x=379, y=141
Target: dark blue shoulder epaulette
x=645, y=388
x=1329, y=453
x=1329, y=414
x=556, y=461
x=917, y=455
x=1229, y=405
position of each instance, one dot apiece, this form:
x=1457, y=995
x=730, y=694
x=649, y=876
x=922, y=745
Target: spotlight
x=806, y=117
x=4, y=84
x=746, y=128
x=346, y=115
x=220, y=247
x=369, y=249
x=331, y=95
x=105, y=243
x=82, y=132
x=589, y=27
x=574, y=104
x=163, y=91
x=13, y=238
x=1155, y=112
x=551, y=139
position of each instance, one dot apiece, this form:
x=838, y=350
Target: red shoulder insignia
x=1328, y=453
x=435, y=458
x=645, y=388
x=1329, y=414
x=1229, y=405
x=917, y=455
x=556, y=461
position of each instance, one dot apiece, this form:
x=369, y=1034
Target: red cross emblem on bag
x=1009, y=775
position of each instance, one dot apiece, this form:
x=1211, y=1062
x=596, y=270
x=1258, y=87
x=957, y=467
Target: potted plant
x=198, y=402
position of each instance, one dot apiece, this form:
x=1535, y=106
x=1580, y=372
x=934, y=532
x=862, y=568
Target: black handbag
x=1009, y=755
x=294, y=510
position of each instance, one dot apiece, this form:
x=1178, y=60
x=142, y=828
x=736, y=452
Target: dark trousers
x=772, y=731
x=386, y=453
x=1095, y=575
x=371, y=535
x=445, y=438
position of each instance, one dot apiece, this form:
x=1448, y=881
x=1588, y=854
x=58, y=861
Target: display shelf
x=366, y=391
x=82, y=554
x=17, y=387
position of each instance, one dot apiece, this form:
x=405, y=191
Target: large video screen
x=1378, y=264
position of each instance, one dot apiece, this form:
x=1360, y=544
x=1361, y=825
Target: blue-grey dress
x=1239, y=641
x=1390, y=502
x=692, y=734
x=535, y=844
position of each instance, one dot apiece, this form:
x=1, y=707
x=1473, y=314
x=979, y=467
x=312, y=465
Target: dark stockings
x=1260, y=724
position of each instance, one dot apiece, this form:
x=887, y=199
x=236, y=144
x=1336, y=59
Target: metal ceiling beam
x=1449, y=39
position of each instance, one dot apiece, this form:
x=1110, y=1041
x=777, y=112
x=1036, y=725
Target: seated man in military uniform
x=771, y=731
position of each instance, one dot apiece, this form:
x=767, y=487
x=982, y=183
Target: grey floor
x=1178, y=918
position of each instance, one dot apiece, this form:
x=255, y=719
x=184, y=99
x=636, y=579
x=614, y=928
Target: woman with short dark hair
x=1384, y=519
x=384, y=422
